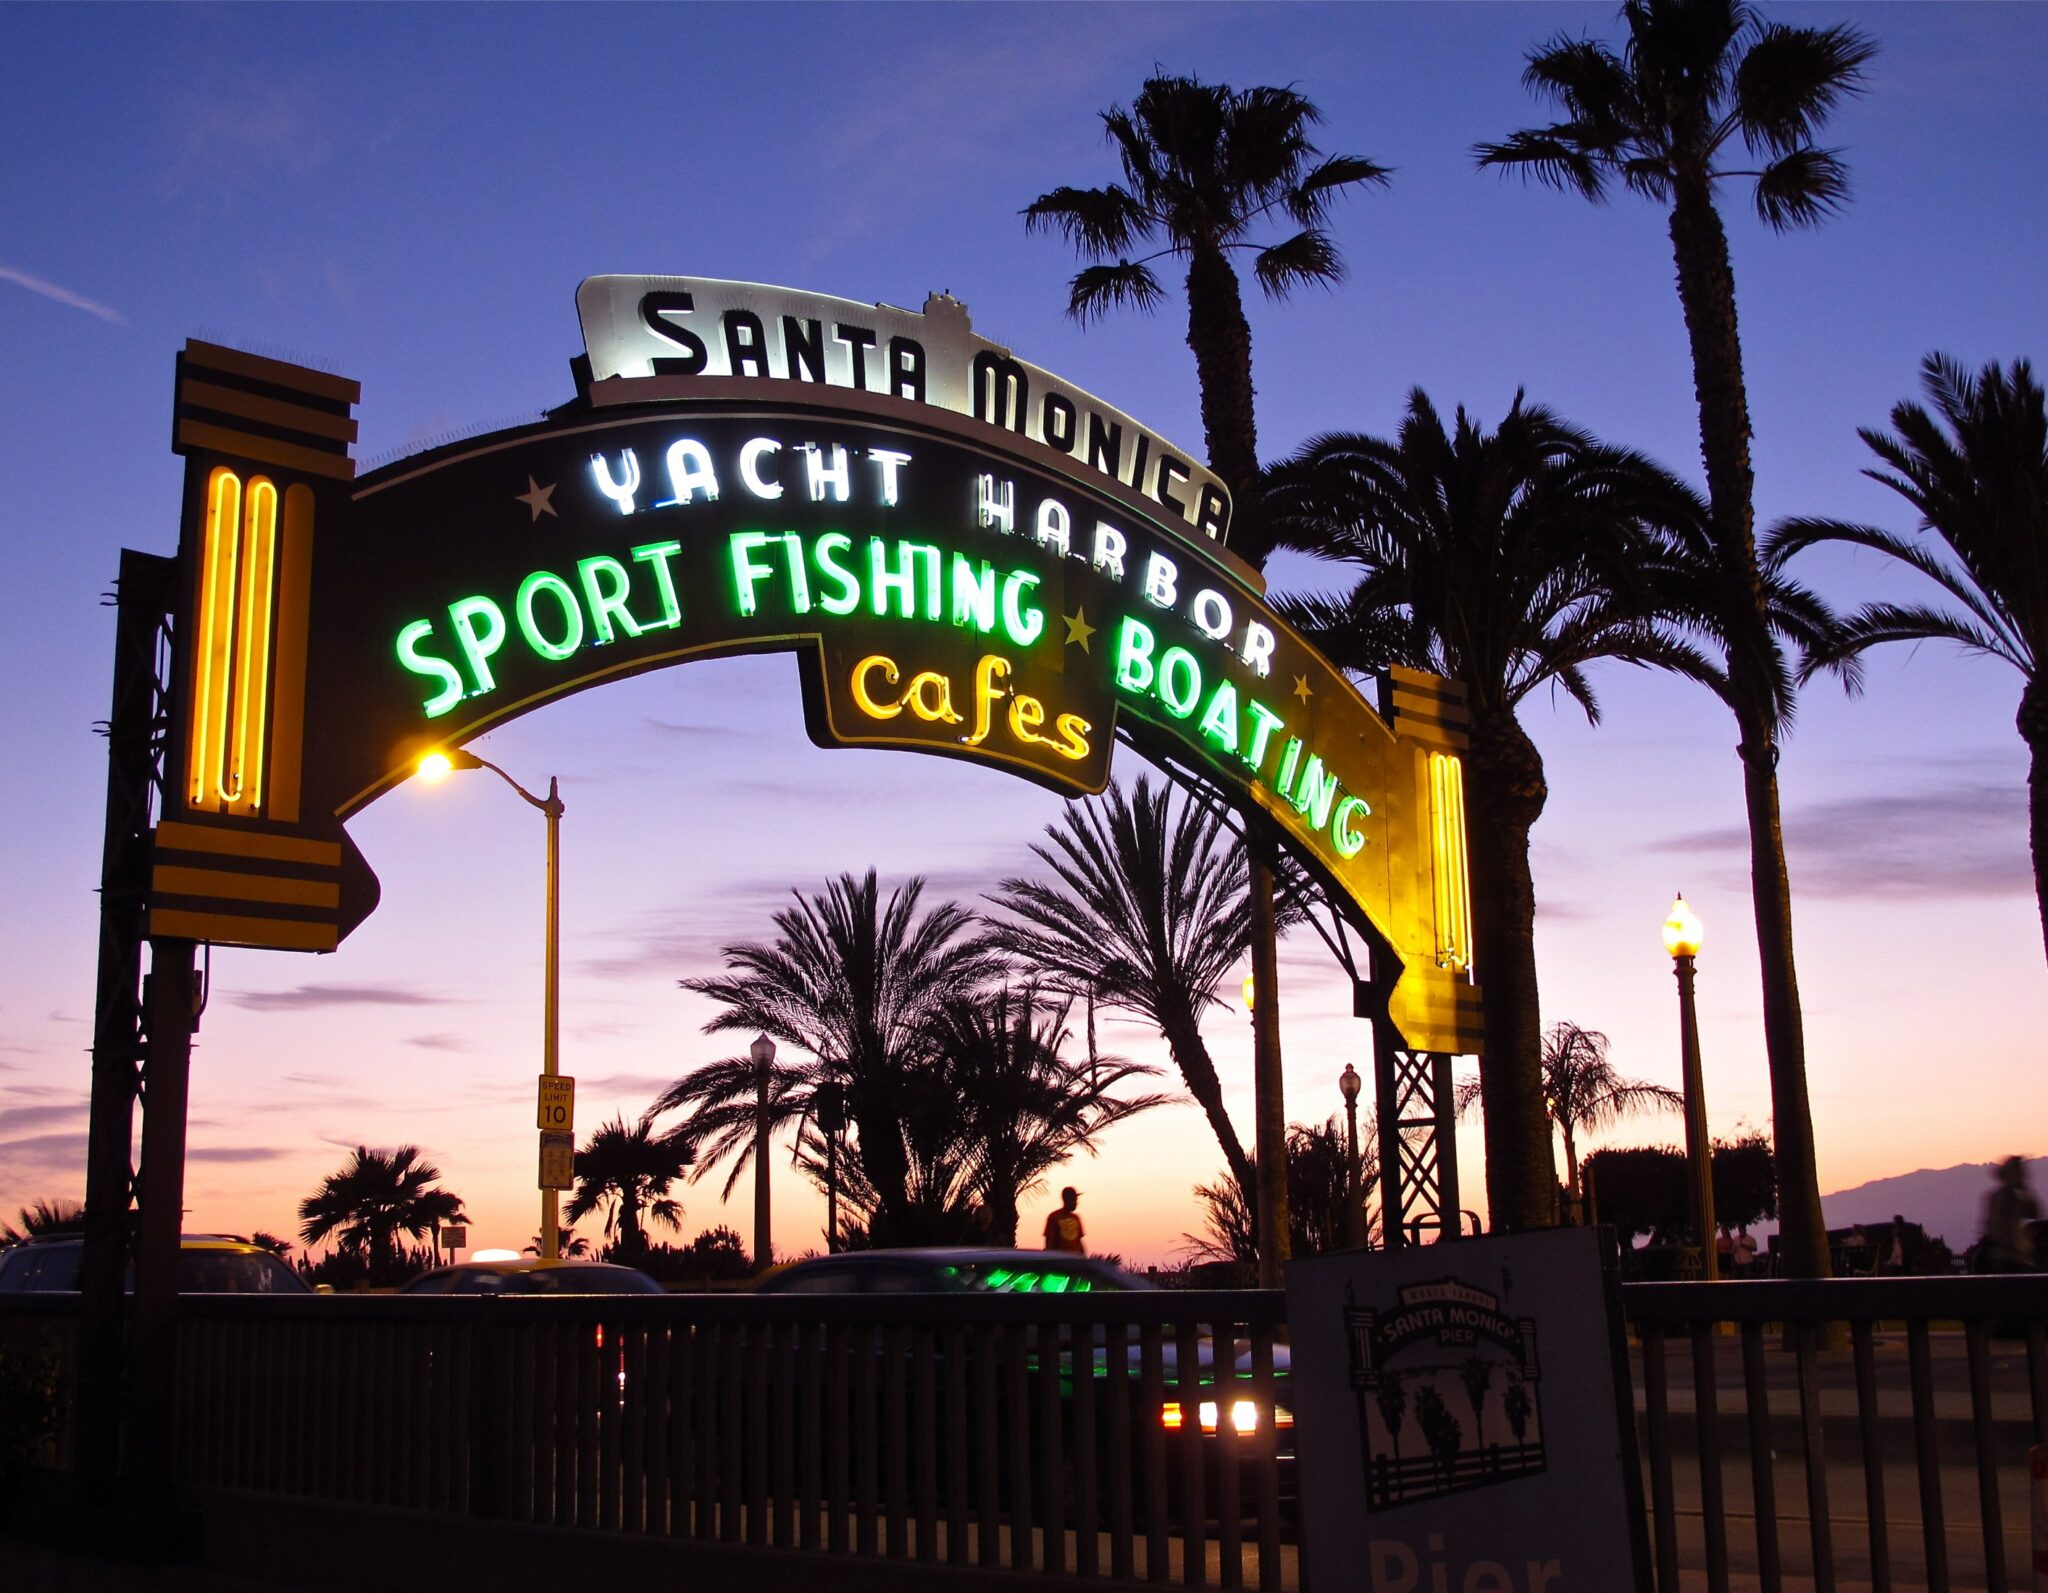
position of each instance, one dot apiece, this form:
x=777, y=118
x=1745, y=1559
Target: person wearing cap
x=1063, y=1229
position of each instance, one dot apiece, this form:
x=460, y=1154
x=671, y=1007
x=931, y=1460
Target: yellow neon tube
x=216, y=632
x=242, y=784
x=1449, y=871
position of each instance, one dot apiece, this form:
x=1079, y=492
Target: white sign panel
x=1463, y=1418
x=642, y=327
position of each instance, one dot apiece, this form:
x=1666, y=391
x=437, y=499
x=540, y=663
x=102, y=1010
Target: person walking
x=1063, y=1229
x=2007, y=1244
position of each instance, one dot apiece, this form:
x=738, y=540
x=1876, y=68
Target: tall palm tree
x=1976, y=471
x=852, y=984
x=375, y=1198
x=1582, y=1092
x=628, y=1170
x=1698, y=81
x=1145, y=912
x=1507, y=561
x=1023, y=1106
x=1206, y=168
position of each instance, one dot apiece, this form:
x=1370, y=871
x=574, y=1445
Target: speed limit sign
x=557, y=1104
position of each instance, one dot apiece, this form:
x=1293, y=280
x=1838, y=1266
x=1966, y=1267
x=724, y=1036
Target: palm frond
x=1553, y=156
x=1096, y=221
x=1801, y=189
x=1097, y=290
x=1791, y=79
x=1306, y=258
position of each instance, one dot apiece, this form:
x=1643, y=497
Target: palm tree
x=1698, y=79
x=281, y=1248
x=1205, y=168
x=1146, y=912
x=375, y=1198
x=1976, y=471
x=854, y=985
x=628, y=1170
x=1507, y=561
x=42, y=1218
x=1022, y=1105
x=1316, y=1196
x=1582, y=1092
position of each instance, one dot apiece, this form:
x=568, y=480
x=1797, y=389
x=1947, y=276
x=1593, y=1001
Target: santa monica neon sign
x=967, y=556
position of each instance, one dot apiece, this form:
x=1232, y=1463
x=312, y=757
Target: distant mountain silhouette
x=1947, y=1201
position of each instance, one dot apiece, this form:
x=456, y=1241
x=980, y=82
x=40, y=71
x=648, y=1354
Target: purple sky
x=409, y=196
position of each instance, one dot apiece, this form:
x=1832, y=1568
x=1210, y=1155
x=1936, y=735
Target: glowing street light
x=435, y=766
x=1683, y=934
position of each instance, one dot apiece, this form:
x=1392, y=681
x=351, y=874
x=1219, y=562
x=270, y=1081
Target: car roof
x=597, y=1277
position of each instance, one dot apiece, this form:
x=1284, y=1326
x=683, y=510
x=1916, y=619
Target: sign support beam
x=135, y=729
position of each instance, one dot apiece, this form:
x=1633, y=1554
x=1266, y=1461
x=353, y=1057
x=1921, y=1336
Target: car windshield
x=235, y=1272
x=37, y=1268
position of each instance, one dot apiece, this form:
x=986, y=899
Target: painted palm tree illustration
x=1476, y=1373
x=1699, y=84
x=1973, y=463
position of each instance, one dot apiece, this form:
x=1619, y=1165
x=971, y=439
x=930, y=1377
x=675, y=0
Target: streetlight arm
x=550, y=804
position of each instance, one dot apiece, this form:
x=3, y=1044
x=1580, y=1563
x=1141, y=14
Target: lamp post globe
x=1683, y=935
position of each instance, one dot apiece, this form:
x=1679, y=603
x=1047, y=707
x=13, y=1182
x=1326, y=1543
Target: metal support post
x=135, y=731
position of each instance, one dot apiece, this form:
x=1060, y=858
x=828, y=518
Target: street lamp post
x=433, y=767
x=1683, y=934
x=1354, y=1205
x=763, y=1053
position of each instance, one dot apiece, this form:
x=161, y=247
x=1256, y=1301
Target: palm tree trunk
x=1802, y=1226
x=1574, y=1209
x=1706, y=291
x=1198, y=1072
x=1220, y=337
x=1221, y=340
x=1508, y=792
x=2033, y=723
x=1268, y=1088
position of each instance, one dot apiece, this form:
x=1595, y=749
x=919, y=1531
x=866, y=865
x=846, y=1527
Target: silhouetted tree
x=1976, y=470
x=1698, y=78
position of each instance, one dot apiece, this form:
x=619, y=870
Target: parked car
x=208, y=1263
x=953, y=1271
x=1224, y=1372
x=529, y=1275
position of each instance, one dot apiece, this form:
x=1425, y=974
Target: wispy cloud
x=61, y=295
x=242, y=135
x=233, y=1153
x=966, y=83
x=21, y=1118
x=441, y=1042
x=308, y=997
x=1964, y=838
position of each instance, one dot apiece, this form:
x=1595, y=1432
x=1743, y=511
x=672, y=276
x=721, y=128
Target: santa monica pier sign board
x=967, y=555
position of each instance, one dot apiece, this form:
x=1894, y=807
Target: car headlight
x=1244, y=1416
